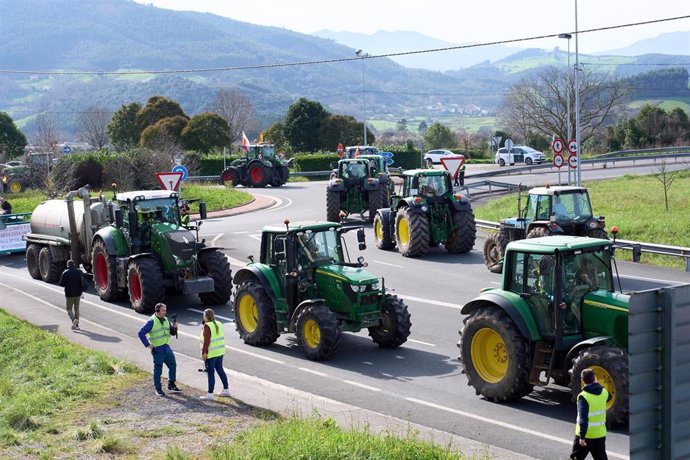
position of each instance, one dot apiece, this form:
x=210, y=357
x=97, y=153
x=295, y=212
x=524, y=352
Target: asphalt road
x=420, y=382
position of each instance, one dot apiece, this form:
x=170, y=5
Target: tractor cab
x=261, y=151
x=426, y=183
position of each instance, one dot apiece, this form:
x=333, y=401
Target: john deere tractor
x=259, y=168
x=555, y=314
x=358, y=185
x=304, y=285
x=427, y=214
x=549, y=211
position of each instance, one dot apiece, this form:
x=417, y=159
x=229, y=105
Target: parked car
x=433, y=157
x=519, y=154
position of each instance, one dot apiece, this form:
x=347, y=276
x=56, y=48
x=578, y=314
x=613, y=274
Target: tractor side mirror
x=361, y=239
x=119, y=218
x=202, y=210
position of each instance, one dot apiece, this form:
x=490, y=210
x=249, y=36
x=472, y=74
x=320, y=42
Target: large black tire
x=317, y=332
x=284, y=174
x=105, y=273
x=255, y=315
x=395, y=324
x=49, y=269
x=258, y=174
x=462, y=240
x=332, y=205
x=610, y=364
x=216, y=265
x=538, y=232
x=528, y=161
x=495, y=355
x=494, y=250
x=411, y=233
x=382, y=233
x=598, y=233
x=32, y=265
x=145, y=283
x=377, y=200
x=231, y=175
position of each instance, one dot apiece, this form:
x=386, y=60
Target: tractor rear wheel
x=231, y=175
x=32, y=265
x=411, y=233
x=495, y=355
x=258, y=174
x=317, y=332
x=538, y=232
x=382, y=233
x=49, y=268
x=610, y=364
x=494, y=249
x=15, y=186
x=332, y=205
x=105, y=273
x=145, y=283
x=216, y=265
x=395, y=324
x=461, y=241
x=255, y=316
x=377, y=199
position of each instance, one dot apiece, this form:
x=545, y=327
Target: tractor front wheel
x=105, y=273
x=461, y=241
x=255, y=316
x=395, y=324
x=538, y=232
x=32, y=265
x=145, y=283
x=317, y=332
x=610, y=364
x=382, y=233
x=216, y=265
x=411, y=233
x=494, y=249
x=231, y=175
x=332, y=205
x=495, y=355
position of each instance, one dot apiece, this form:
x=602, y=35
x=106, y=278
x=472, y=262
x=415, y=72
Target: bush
x=313, y=161
x=119, y=169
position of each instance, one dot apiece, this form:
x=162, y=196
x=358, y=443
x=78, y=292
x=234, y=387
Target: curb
x=257, y=203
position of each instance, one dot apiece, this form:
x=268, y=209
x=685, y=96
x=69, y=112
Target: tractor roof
x=302, y=226
x=358, y=159
x=556, y=190
x=145, y=195
x=425, y=172
x=370, y=156
x=549, y=244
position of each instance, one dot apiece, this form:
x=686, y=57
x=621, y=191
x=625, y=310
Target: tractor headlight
x=359, y=288
x=593, y=224
x=376, y=286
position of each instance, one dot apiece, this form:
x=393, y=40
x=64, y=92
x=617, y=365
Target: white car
x=433, y=157
x=519, y=154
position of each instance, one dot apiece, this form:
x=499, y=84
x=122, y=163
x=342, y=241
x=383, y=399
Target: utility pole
x=362, y=55
x=578, y=174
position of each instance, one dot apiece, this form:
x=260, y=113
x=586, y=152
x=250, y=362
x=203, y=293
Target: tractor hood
x=176, y=245
x=350, y=275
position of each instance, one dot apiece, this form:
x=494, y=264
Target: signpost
x=169, y=180
x=557, y=147
x=183, y=170
x=572, y=159
x=388, y=157
x=340, y=150
x=67, y=149
x=453, y=165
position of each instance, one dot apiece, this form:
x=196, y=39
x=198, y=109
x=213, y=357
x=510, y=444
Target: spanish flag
x=357, y=152
x=261, y=137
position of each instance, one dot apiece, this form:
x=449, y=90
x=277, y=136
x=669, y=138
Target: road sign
x=340, y=150
x=558, y=160
x=508, y=144
x=67, y=149
x=572, y=146
x=387, y=157
x=453, y=165
x=557, y=145
x=169, y=180
x=572, y=161
x=183, y=170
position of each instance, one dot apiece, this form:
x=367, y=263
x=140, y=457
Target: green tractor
x=427, y=214
x=259, y=168
x=304, y=285
x=556, y=313
x=358, y=185
x=549, y=211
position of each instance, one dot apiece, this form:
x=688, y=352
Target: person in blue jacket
x=155, y=335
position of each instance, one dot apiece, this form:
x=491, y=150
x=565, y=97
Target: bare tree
x=92, y=125
x=47, y=134
x=47, y=138
x=666, y=177
x=539, y=102
x=236, y=108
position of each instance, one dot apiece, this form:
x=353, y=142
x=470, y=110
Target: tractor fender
x=302, y=305
x=371, y=184
x=263, y=275
x=515, y=307
x=207, y=249
x=266, y=163
x=336, y=185
x=408, y=202
x=461, y=204
x=385, y=214
x=576, y=349
x=114, y=241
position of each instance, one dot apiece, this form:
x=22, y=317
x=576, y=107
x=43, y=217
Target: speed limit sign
x=572, y=161
x=558, y=160
x=572, y=146
x=557, y=145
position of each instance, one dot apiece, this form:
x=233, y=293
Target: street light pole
x=363, y=55
x=578, y=176
x=567, y=92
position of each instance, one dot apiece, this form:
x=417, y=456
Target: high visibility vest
x=596, y=420
x=216, y=346
x=160, y=333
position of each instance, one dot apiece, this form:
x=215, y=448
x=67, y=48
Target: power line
x=330, y=61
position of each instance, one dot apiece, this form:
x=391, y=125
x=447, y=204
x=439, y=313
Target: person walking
x=159, y=329
x=590, y=430
x=460, y=176
x=72, y=279
x=212, y=342
x=5, y=206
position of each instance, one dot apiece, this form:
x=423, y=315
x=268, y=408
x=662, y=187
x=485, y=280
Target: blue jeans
x=163, y=355
x=214, y=365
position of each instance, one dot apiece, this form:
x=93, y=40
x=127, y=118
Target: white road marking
x=213, y=241
x=257, y=236
x=429, y=301
x=498, y=283
x=368, y=363
x=230, y=320
x=240, y=233
x=422, y=343
x=361, y=385
x=311, y=371
x=386, y=263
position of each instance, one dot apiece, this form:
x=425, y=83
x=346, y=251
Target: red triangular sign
x=452, y=165
x=169, y=180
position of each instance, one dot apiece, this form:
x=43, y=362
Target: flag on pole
x=357, y=152
x=261, y=137
x=245, y=142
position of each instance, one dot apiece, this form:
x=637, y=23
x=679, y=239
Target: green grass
x=635, y=204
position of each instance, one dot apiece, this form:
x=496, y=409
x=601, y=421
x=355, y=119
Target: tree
x=164, y=135
x=92, y=125
x=343, y=129
x=236, y=108
x=205, y=132
x=538, y=102
x=666, y=176
x=156, y=109
x=302, y=124
x=422, y=127
x=275, y=134
x=123, y=130
x=439, y=136
x=12, y=140
x=402, y=125
x=47, y=135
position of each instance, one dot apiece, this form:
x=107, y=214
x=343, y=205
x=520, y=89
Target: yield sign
x=169, y=180
x=453, y=165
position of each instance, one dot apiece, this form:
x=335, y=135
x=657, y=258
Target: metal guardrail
x=637, y=247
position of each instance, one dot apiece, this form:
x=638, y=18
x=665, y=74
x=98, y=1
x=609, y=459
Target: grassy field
x=635, y=204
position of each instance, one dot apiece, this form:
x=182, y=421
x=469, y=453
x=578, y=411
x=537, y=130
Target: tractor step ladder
x=543, y=361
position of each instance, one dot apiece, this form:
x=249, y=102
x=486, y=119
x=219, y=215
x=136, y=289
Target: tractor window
x=432, y=185
x=573, y=207
x=354, y=170
x=543, y=207
x=318, y=248
x=538, y=290
x=531, y=210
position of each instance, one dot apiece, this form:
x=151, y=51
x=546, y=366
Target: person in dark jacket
x=590, y=431
x=155, y=335
x=75, y=284
x=6, y=207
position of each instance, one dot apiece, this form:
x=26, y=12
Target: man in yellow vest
x=212, y=341
x=159, y=329
x=590, y=431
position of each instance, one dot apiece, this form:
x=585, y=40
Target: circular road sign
x=572, y=161
x=557, y=145
x=508, y=144
x=67, y=149
x=181, y=169
x=572, y=146
x=558, y=160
